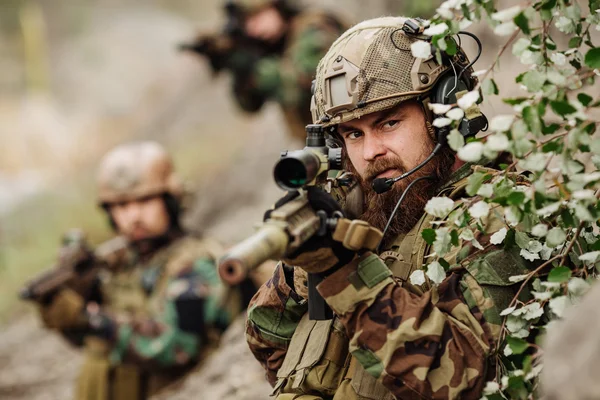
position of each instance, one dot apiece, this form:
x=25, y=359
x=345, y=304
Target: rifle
x=295, y=222
x=77, y=267
x=217, y=47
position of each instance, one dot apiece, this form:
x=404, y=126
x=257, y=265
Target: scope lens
x=290, y=173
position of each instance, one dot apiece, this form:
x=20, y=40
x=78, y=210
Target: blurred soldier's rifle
x=295, y=222
x=217, y=47
x=77, y=267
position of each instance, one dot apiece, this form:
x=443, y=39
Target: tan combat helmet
x=137, y=170
x=371, y=68
x=251, y=6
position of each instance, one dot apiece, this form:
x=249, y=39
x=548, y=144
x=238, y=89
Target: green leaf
x=562, y=108
x=523, y=23
x=514, y=101
x=445, y=264
x=518, y=346
x=574, y=42
x=451, y=47
x=428, y=236
x=592, y=58
x=555, y=237
x=516, y=198
x=554, y=146
x=475, y=181
x=548, y=4
x=489, y=87
x=454, y=237
x=559, y=274
x=534, y=80
x=584, y=99
x=550, y=129
x=531, y=117
x=522, y=239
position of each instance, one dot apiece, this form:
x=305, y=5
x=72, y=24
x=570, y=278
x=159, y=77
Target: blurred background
x=77, y=78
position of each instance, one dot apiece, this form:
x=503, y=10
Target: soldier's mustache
x=381, y=165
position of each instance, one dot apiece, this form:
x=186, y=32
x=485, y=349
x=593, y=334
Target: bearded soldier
x=272, y=48
x=389, y=338
x=155, y=308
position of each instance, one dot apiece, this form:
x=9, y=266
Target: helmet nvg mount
x=135, y=171
x=371, y=68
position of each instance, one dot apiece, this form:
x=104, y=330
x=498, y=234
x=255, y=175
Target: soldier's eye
x=353, y=135
x=390, y=124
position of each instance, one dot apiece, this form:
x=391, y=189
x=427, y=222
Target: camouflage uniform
x=284, y=75
x=389, y=338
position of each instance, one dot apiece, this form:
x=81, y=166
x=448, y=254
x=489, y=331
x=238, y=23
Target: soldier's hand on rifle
x=214, y=47
x=320, y=254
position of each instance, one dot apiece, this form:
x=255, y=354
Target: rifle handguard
x=357, y=235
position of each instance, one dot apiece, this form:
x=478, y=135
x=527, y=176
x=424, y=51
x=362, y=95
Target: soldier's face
x=266, y=25
x=387, y=143
x=141, y=219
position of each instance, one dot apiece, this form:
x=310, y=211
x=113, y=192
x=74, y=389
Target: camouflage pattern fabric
x=159, y=315
x=286, y=77
x=434, y=343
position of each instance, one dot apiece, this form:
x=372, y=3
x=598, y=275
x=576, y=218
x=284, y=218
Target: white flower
x=468, y=99
x=540, y=230
x=529, y=57
x=441, y=122
x=529, y=256
x=501, y=123
x=499, y=236
x=497, y=142
x=486, y=190
x=436, y=273
x=507, y=311
x=455, y=140
x=455, y=114
x=590, y=257
x=512, y=215
x=585, y=194
x=436, y=29
x=439, y=109
x=520, y=46
x=534, y=246
x=445, y=13
x=471, y=152
x=465, y=23
x=559, y=304
x=479, y=209
x=532, y=311
x=417, y=277
x=507, y=14
x=439, y=206
x=505, y=28
x=491, y=387
x=517, y=278
x=542, y=296
x=578, y=286
x=420, y=49
x=549, y=209
x=468, y=235
x=479, y=72
x=558, y=58
x=565, y=25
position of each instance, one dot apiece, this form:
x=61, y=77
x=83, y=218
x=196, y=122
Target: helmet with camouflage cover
x=371, y=68
x=135, y=171
x=252, y=6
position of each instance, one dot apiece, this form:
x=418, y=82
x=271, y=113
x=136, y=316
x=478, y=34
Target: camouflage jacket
x=286, y=77
x=158, y=315
x=390, y=339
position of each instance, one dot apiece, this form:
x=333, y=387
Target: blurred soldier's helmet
x=136, y=171
x=371, y=68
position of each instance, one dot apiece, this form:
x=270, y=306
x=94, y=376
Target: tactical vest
x=133, y=289
x=318, y=365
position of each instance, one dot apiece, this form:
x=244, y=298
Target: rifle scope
x=299, y=168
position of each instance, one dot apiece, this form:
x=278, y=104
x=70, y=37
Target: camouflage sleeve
x=175, y=334
x=273, y=315
x=431, y=344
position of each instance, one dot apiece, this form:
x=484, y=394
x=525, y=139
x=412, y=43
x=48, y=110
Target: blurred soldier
x=272, y=49
x=156, y=308
x=389, y=338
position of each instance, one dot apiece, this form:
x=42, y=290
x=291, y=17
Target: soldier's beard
x=379, y=207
